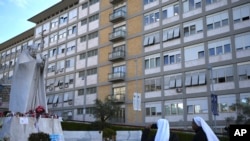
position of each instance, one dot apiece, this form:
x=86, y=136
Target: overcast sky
x=14, y=15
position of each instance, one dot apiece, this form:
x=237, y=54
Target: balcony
x=118, y=98
x=117, y=16
x=116, y=76
x=117, y=55
x=117, y=35
x=115, y=1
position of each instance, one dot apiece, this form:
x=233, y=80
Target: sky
x=14, y=15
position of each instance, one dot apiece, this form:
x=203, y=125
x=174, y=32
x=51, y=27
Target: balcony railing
x=115, y=1
x=117, y=16
x=117, y=35
x=116, y=76
x=119, y=98
x=117, y=55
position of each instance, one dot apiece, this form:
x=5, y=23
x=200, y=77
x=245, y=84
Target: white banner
x=137, y=102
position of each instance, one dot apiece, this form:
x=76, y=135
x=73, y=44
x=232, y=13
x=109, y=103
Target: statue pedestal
x=20, y=128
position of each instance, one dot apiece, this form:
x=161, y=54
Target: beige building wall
x=134, y=7
x=103, y=92
x=134, y=46
x=104, y=35
x=104, y=17
x=104, y=54
x=103, y=73
x=131, y=68
x=134, y=25
x=133, y=116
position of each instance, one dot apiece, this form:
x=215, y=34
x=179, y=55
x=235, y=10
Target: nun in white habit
x=163, y=132
x=200, y=126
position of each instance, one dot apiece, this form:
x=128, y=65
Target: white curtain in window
x=236, y=13
x=245, y=11
x=72, y=13
x=198, y=24
x=176, y=32
x=195, y=78
x=202, y=78
x=165, y=35
x=55, y=99
x=238, y=41
x=247, y=39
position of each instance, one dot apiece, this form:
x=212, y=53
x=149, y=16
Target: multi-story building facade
x=175, y=53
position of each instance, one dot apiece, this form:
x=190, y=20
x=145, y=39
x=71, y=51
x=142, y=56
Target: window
x=92, y=71
x=153, y=84
x=119, y=91
x=244, y=71
x=217, y=20
x=62, y=33
x=53, y=37
x=94, y=17
x=171, y=33
x=81, y=74
x=201, y=54
x=69, y=63
x=193, y=109
x=83, y=38
x=63, y=19
x=93, y=35
x=151, y=17
x=92, y=53
x=170, y=11
x=79, y=111
x=192, y=27
x=174, y=109
x=195, y=78
x=52, y=52
x=91, y=2
x=219, y=47
x=172, y=81
x=84, y=5
x=80, y=92
x=241, y=13
x=61, y=49
x=119, y=69
x=172, y=59
x=242, y=41
x=153, y=111
x=148, y=1
x=151, y=39
x=194, y=52
x=83, y=22
x=91, y=90
x=223, y=75
x=89, y=110
x=189, y=5
x=211, y=1
x=54, y=23
x=72, y=14
x=72, y=30
x=82, y=56
x=152, y=62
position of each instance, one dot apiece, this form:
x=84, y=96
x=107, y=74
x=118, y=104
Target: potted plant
x=109, y=134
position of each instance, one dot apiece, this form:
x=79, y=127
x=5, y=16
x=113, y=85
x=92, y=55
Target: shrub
x=39, y=137
x=108, y=133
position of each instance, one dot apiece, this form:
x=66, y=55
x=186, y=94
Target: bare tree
x=104, y=110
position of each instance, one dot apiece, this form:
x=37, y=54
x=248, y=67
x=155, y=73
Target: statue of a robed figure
x=28, y=86
x=28, y=106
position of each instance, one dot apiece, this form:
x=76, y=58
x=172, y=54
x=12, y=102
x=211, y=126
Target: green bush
x=108, y=133
x=39, y=137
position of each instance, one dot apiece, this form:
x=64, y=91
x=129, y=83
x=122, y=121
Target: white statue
x=28, y=85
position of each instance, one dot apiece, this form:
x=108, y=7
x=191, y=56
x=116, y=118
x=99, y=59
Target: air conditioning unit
x=55, y=105
x=51, y=88
x=70, y=102
x=57, y=71
x=178, y=90
x=61, y=86
x=61, y=70
x=66, y=85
